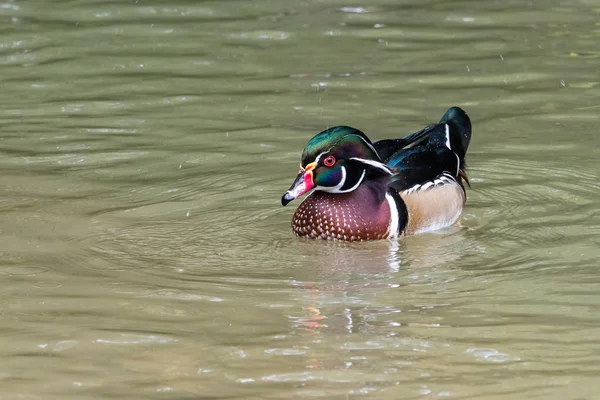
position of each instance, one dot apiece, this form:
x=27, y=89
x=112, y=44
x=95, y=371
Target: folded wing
x=431, y=156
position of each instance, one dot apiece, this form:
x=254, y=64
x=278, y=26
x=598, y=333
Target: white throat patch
x=338, y=188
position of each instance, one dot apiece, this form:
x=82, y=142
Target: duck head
x=337, y=160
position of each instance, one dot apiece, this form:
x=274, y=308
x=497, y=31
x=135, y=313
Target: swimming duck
x=363, y=190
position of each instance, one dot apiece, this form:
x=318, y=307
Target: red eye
x=329, y=161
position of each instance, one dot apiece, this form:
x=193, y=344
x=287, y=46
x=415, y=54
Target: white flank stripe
x=394, y=220
x=319, y=156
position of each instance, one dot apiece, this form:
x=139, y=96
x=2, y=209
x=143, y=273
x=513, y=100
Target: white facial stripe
x=362, y=138
x=338, y=188
x=319, y=156
x=370, y=146
x=373, y=163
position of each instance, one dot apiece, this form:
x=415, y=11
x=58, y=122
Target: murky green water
x=143, y=250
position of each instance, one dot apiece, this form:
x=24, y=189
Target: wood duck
x=363, y=190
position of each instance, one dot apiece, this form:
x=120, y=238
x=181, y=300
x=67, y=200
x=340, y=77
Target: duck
x=359, y=190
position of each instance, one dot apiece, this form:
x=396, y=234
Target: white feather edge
x=448, y=145
x=448, y=136
x=441, y=179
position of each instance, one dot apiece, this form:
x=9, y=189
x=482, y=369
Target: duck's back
x=429, y=172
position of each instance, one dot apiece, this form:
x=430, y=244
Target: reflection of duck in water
x=343, y=280
x=368, y=191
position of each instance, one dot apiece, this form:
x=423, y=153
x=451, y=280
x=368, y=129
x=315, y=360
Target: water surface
x=145, y=146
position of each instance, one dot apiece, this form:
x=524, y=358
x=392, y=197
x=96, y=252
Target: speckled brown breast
x=353, y=216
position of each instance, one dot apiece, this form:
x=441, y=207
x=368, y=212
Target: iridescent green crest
x=344, y=141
